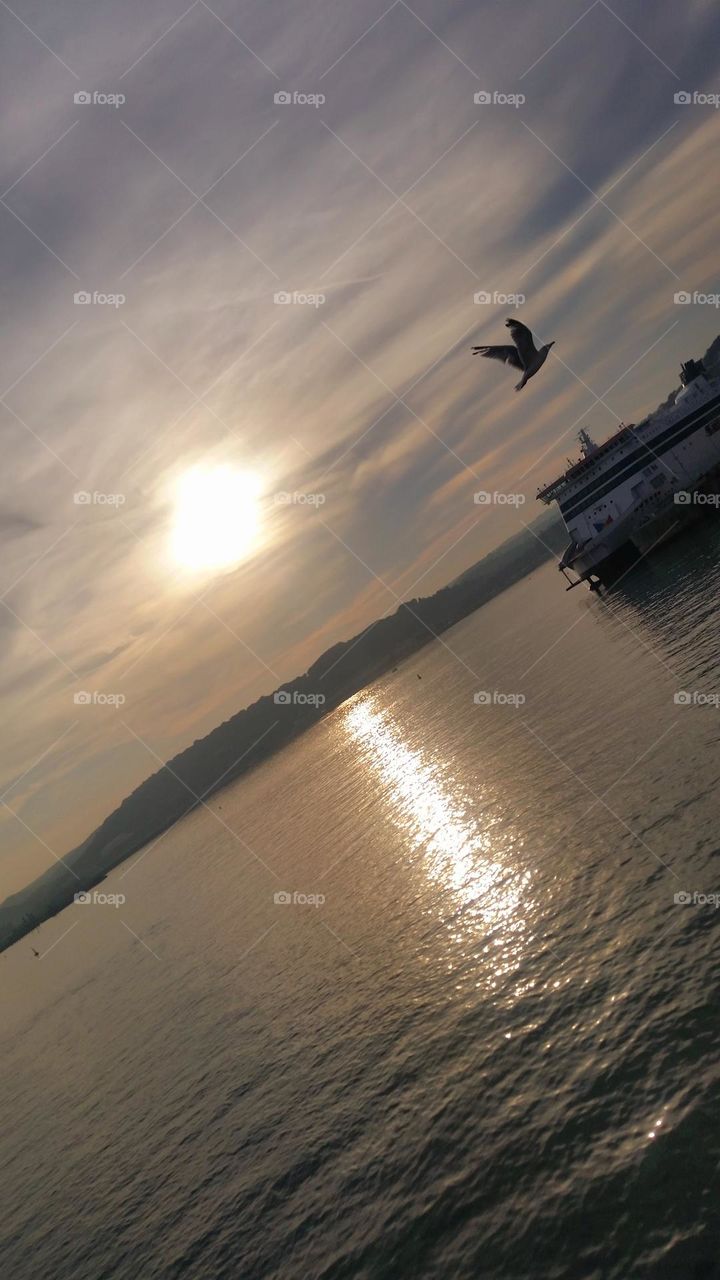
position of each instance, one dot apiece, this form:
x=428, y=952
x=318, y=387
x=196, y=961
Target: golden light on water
x=216, y=520
x=458, y=852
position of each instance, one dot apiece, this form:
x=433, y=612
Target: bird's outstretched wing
x=508, y=355
x=523, y=340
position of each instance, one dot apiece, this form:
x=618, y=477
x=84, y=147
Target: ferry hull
x=634, y=538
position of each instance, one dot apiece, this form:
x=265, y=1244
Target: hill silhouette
x=257, y=732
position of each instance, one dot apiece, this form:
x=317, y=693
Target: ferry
x=625, y=497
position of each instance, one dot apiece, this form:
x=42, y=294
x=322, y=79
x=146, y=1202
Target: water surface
x=492, y=1050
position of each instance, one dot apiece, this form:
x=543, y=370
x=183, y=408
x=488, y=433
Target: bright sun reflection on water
x=435, y=816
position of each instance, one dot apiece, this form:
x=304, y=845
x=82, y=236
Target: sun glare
x=217, y=518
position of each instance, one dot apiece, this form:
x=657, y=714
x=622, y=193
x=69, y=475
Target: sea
x=432, y=993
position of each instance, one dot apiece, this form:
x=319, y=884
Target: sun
x=217, y=518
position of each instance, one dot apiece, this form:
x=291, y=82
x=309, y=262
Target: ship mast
x=587, y=444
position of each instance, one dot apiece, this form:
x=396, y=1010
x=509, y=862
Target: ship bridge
x=592, y=455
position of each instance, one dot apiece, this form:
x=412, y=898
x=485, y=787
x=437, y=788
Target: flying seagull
x=524, y=355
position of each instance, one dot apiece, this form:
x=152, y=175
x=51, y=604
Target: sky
x=152, y=161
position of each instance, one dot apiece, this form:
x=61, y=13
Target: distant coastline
x=260, y=730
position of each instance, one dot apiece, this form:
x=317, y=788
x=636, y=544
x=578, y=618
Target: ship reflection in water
x=474, y=856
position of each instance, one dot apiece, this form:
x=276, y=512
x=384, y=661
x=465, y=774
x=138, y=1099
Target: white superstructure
x=635, y=485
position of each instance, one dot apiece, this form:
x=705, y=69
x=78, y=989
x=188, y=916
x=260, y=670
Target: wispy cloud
x=397, y=198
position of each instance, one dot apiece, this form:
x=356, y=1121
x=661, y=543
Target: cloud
x=370, y=398
x=15, y=524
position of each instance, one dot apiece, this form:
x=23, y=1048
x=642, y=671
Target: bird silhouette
x=524, y=355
